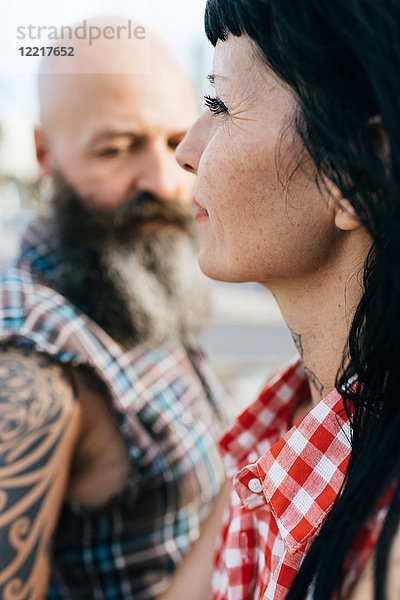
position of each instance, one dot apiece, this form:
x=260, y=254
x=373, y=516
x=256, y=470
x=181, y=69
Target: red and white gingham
x=286, y=484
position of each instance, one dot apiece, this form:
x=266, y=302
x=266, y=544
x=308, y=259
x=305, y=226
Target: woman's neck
x=318, y=309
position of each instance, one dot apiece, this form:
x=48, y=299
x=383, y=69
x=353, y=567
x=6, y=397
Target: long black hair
x=341, y=60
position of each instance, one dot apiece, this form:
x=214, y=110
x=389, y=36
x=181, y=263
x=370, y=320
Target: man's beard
x=141, y=283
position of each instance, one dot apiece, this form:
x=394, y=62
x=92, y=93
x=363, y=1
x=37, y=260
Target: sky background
x=178, y=22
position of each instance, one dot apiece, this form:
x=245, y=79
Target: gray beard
x=142, y=287
x=161, y=286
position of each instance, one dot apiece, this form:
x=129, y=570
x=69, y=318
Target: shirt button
x=255, y=486
x=187, y=418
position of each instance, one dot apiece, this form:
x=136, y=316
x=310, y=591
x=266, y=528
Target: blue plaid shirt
x=169, y=421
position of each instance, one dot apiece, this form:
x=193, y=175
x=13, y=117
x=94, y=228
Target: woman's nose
x=191, y=148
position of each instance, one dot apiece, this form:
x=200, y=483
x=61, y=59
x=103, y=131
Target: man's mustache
x=141, y=208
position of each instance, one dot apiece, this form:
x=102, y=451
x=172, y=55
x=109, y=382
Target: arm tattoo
x=313, y=378
x=35, y=409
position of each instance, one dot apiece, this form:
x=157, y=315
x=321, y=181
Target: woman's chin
x=218, y=270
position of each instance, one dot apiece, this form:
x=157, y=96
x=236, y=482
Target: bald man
x=110, y=417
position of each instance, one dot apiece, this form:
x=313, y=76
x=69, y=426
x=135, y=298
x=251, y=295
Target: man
x=109, y=416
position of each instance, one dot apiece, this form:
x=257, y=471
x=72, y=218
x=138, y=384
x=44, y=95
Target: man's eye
x=174, y=143
x=215, y=105
x=110, y=152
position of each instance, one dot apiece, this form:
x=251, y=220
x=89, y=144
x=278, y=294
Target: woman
x=298, y=164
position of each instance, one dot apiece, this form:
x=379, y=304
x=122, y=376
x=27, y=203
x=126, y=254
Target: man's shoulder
x=31, y=309
x=37, y=396
x=20, y=286
x=26, y=373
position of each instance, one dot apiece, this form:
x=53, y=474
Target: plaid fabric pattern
x=168, y=418
x=287, y=482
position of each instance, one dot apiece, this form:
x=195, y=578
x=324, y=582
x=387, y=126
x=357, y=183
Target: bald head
x=133, y=54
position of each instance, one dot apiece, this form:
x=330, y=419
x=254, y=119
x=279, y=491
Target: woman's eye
x=215, y=105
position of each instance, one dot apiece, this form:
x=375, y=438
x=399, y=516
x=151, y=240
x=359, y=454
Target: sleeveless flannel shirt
x=169, y=420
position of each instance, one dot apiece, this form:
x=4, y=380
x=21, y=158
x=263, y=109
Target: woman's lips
x=202, y=213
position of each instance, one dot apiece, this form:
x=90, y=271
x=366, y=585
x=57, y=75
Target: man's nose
x=191, y=148
x=159, y=173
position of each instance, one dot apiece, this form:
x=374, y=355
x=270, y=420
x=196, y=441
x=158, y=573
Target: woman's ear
x=344, y=213
x=346, y=217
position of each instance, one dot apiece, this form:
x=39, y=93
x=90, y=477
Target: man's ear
x=42, y=152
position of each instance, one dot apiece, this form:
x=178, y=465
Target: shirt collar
x=299, y=474
x=267, y=419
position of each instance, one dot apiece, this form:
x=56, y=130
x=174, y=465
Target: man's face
x=123, y=208
x=116, y=136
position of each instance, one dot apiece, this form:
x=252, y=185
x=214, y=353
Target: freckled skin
x=268, y=220
x=258, y=229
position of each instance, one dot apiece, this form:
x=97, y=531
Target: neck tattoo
x=313, y=378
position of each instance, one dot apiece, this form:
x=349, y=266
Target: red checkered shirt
x=287, y=482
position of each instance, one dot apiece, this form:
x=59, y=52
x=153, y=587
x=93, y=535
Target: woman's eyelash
x=215, y=105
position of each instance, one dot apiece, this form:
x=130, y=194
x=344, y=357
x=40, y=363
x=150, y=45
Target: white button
x=255, y=486
x=187, y=418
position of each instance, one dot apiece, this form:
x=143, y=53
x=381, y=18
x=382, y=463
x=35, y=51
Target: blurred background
x=248, y=339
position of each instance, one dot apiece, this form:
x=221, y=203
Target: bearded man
x=109, y=414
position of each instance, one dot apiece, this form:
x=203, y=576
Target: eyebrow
x=109, y=135
x=106, y=136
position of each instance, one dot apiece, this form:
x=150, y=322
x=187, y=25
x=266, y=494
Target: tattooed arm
x=39, y=423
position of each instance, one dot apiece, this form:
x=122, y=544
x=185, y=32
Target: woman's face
x=260, y=217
